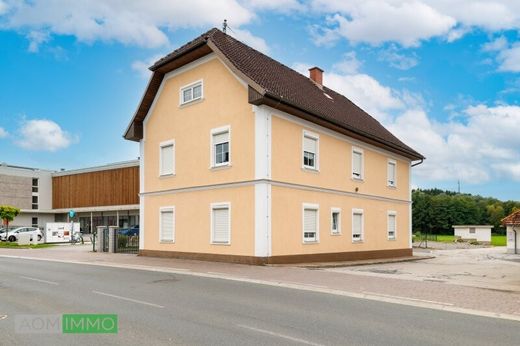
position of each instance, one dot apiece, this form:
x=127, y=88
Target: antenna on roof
x=224, y=26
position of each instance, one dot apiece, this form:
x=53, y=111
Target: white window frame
x=212, y=152
x=391, y=162
x=362, y=173
x=219, y=205
x=332, y=211
x=362, y=236
x=162, y=145
x=394, y=214
x=191, y=86
x=166, y=209
x=316, y=137
x=316, y=207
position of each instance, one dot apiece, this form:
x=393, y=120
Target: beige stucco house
x=512, y=224
x=245, y=160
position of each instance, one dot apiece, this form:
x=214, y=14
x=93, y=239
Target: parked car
x=12, y=235
x=129, y=231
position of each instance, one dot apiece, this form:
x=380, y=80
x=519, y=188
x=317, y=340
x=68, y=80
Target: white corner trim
x=263, y=220
x=219, y=205
x=410, y=225
x=141, y=196
x=263, y=127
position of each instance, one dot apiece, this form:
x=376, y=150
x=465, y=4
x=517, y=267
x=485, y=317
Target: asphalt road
x=160, y=308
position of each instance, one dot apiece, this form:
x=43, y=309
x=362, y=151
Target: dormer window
x=192, y=92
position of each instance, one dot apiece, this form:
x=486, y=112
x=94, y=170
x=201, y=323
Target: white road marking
x=407, y=298
x=39, y=280
x=283, y=336
x=301, y=286
x=3, y=317
x=128, y=299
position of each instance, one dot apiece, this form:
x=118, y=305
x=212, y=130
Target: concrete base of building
x=285, y=259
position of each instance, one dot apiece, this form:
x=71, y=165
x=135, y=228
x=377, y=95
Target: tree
x=8, y=213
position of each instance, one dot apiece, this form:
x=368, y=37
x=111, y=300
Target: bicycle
x=76, y=238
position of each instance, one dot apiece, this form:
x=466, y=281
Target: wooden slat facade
x=93, y=189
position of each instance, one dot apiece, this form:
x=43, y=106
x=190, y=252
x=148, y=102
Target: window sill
x=310, y=169
x=164, y=176
x=166, y=242
x=358, y=241
x=358, y=180
x=219, y=167
x=335, y=234
x=393, y=187
x=310, y=242
x=220, y=244
x=392, y=239
x=192, y=102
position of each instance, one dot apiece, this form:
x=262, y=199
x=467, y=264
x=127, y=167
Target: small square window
x=191, y=92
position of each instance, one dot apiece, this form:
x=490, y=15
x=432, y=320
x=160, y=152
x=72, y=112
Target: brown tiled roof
x=277, y=81
x=512, y=220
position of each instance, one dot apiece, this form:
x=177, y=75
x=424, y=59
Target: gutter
x=418, y=163
x=516, y=250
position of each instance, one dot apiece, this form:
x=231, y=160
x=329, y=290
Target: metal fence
x=126, y=243
x=106, y=236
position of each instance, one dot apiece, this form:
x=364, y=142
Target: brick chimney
x=316, y=74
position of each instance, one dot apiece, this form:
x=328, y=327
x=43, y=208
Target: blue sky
x=444, y=76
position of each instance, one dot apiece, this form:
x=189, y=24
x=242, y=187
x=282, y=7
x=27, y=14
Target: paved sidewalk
x=442, y=296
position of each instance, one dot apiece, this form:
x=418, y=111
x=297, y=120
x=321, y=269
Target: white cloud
x=509, y=59
x=3, y=133
x=141, y=66
x=408, y=22
x=283, y=6
x=349, y=65
x=129, y=22
x=3, y=7
x=481, y=146
x=397, y=60
x=249, y=39
x=497, y=44
x=43, y=135
x=36, y=38
x=375, y=22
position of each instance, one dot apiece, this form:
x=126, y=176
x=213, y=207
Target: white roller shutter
x=309, y=145
x=220, y=138
x=221, y=227
x=391, y=226
x=357, y=164
x=310, y=223
x=167, y=159
x=357, y=226
x=391, y=173
x=167, y=225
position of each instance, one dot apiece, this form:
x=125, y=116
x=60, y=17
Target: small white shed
x=512, y=223
x=478, y=232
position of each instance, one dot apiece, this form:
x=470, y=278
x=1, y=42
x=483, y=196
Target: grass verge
x=9, y=245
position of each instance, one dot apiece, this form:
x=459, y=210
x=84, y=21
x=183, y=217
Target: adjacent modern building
x=246, y=160
x=512, y=224
x=103, y=195
x=480, y=233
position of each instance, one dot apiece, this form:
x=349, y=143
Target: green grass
x=498, y=240
x=14, y=245
x=443, y=238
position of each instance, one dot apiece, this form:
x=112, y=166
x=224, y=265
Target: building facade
x=246, y=160
x=103, y=195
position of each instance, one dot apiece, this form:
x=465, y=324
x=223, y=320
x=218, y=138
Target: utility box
x=60, y=232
